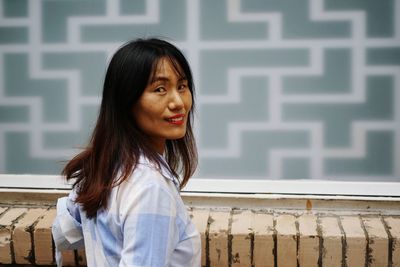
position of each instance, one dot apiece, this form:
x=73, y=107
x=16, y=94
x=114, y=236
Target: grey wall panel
x=288, y=89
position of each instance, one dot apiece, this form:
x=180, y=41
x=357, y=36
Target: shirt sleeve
x=67, y=229
x=150, y=232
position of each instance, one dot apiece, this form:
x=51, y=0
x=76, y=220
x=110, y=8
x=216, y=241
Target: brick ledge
x=234, y=233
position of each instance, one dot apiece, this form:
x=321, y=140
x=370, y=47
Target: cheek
x=143, y=121
x=140, y=116
x=188, y=101
x=144, y=107
x=147, y=115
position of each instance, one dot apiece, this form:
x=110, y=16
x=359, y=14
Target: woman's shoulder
x=145, y=189
x=147, y=176
x=144, y=177
x=149, y=171
x=145, y=171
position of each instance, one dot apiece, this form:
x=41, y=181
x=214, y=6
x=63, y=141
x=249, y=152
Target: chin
x=177, y=136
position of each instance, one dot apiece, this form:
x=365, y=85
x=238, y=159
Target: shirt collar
x=164, y=170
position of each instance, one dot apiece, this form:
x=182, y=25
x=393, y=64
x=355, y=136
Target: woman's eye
x=160, y=90
x=182, y=87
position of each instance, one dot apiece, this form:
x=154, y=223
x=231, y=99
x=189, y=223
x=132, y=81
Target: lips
x=177, y=119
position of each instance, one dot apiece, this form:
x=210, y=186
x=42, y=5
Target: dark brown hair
x=116, y=142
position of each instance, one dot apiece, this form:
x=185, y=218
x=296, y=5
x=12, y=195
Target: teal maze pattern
x=288, y=89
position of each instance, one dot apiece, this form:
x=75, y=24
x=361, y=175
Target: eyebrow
x=166, y=79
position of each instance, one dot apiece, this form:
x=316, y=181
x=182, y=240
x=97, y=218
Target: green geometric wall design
x=288, y=89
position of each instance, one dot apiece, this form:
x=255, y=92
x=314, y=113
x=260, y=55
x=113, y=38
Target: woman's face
x=162, y=110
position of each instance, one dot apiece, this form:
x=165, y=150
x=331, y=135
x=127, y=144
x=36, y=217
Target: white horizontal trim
x=314, y=187
x=296, y=197
x=310, y=187
x=32, y=181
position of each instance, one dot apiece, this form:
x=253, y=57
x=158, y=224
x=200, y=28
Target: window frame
x=243, y=186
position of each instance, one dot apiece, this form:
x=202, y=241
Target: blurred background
x=286, y=89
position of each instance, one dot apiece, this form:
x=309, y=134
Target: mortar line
x=275, y=237
x=53, y=249
x=252, y=239
x=390, y=245
x=321, y=241
x=31, y=256
x=367, y=252
x=230, y=237
x=12, y=228
x=207, y=234
x=297, y=241
x=53, y=245
x=31, y=230
x=344, y=242
x=4, y=212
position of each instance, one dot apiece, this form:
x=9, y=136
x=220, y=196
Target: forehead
x=167, y=66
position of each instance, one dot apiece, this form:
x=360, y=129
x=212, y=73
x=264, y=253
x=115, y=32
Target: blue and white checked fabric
x=145, y=224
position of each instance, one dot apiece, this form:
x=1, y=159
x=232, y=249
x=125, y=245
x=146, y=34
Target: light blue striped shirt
x=145, y=224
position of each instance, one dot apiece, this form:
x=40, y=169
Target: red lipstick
x=177, y=119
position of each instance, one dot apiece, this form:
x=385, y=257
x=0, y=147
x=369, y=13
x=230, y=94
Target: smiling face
x=163, y=108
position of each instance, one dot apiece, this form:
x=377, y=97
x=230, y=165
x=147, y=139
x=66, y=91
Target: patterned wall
x=287, y=89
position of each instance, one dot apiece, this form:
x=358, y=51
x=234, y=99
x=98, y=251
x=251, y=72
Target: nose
x=176, y=101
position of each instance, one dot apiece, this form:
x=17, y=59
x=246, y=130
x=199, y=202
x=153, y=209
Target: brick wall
x=233, y=237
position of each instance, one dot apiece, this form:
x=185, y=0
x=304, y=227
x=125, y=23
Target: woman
x=125, y=206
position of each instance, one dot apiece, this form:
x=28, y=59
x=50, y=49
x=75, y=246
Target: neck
x=158, y=145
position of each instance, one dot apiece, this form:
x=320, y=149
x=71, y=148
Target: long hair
x=116, y=142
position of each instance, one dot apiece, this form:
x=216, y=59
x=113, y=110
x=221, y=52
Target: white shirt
x=146, y=224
